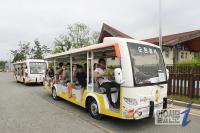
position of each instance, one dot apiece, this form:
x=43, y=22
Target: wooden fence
x=184, y=80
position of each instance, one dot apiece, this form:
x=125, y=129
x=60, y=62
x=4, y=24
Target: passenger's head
x=102, y=63
x=79, y=68
x=60, y=65
x=64, y=67
x=68, y=65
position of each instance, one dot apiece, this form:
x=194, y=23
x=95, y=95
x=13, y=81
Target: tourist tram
x=30, y=71
x=137, y=68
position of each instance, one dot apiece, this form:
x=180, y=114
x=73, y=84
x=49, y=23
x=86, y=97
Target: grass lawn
x=184, y=99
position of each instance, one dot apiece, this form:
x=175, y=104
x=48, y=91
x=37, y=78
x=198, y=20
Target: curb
x=183, y=104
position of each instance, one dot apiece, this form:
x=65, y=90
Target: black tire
x=54, y=95
x=94, y=110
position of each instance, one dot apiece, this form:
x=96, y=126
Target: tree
x=2, y=65
x=45, y=50
x=95, y=37
x=18, y=57
x=22, y=53
x=38, y=51
x=25, y=49
x=79, y=35
x=56, y=50
x=62, y=44
x=26, y=52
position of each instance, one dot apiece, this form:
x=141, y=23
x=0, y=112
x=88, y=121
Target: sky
x=25, y=20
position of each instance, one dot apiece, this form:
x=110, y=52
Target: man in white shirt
x=102, y=78
x=100, y=72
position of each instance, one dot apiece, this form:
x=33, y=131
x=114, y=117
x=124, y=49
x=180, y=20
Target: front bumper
x=149, y=110
x=35, y=80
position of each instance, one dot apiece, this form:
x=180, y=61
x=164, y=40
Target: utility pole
x=160, y=24
x=10, y=65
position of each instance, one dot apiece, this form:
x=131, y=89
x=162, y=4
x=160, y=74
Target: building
x=176, y=47
x=108, y=31
x=179, y=47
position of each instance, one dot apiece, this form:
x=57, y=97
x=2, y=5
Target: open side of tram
x=138, y=78
x=30, y=71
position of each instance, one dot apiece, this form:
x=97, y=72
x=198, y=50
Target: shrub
x=193, y=62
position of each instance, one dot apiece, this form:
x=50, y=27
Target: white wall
x=168, y=60
x=185, y=55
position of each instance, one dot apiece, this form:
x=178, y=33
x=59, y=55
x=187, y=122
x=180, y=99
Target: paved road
x=30, y=109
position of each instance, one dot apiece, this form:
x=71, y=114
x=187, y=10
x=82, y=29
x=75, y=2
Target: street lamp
x=160, y=24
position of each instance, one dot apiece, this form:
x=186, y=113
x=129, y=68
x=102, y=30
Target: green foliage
x=78, y=35
x=45, y=50
x=25, y=51
x=62, y=44
x=193, y=62
x=2, y=65
x=57, y=50
x=95, y=37
x=197, y=55
x=37, y=50
x=22, y=53
x=184, y=99
x=19, y=56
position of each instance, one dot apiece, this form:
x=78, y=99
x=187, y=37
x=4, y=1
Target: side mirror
x=118, y=76
x=167, y=71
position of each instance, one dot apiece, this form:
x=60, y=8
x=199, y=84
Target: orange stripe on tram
x=117, y=50
x=69, y=87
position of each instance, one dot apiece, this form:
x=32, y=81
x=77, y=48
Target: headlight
x=130, y=101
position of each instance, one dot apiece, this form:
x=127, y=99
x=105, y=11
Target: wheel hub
x=94, y=109
x=54, y=93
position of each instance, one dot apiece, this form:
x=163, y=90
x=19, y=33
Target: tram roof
x=28, y=60
x=83, y=49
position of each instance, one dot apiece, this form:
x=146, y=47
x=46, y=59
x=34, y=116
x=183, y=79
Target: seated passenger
x=66, y=79
x=22, y=71
x=102, y=77
x=59, y=71
x=74, y=71
x=85, y=68
x=80, y=76
x=50, y=72
x=50, y=75
x=67, y=73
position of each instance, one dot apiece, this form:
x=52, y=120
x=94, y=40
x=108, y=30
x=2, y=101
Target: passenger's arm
x=97, y=75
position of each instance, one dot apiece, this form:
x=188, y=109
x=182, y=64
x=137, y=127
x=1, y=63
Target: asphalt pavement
x=30, y=109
